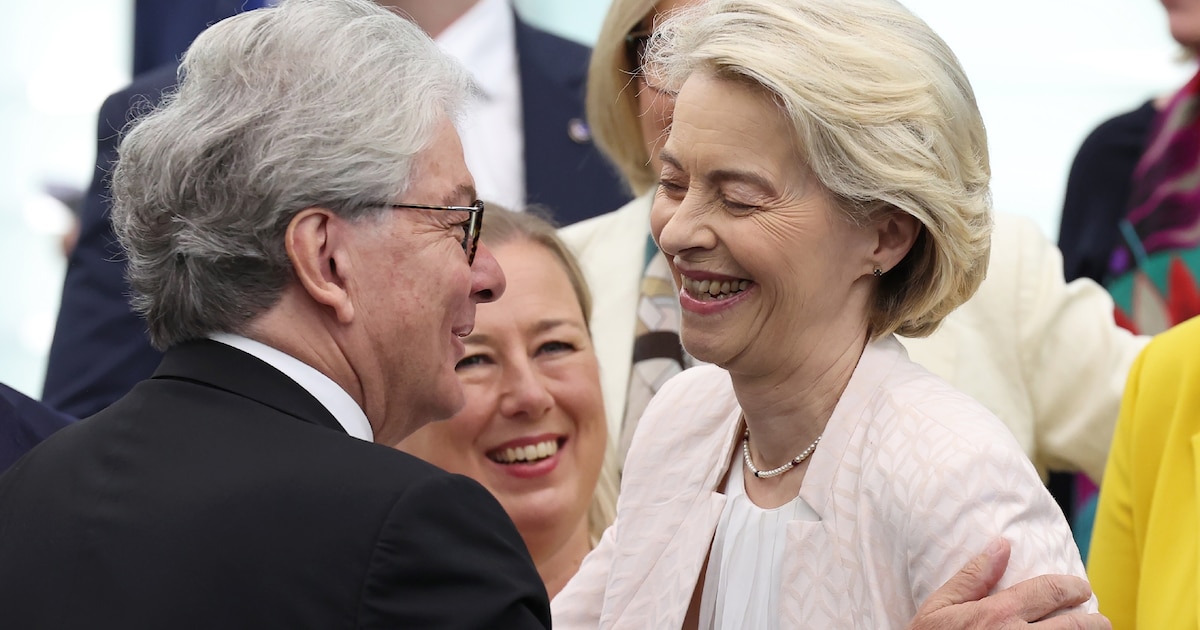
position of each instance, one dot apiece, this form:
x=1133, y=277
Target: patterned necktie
x=657, y=353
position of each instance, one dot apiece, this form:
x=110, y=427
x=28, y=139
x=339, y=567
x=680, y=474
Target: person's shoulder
x=918, y=406
x=31, y=414
x=256, y=433
x=153, y=82
x=142, y=94
x=1012, y=228
x=560, y=61
x=1125, y=130
x=24, y=423
x=1178, y=344
x=544, y=43
x=633, y=218
x=375, y=465
x=1014, y=238
x=1019, y=250
x=692, y=396
x=936, y=447
x=1173, y=355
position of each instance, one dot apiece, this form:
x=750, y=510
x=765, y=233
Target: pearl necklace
x=774, y=472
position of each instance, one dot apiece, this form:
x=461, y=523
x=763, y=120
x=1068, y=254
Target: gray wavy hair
x=882, y=113
x=308, y=103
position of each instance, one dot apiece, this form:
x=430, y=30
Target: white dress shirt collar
x=492, y=128
x=483, y=39
x=331, y=395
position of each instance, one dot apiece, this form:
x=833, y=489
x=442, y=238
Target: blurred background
x=1045, y=74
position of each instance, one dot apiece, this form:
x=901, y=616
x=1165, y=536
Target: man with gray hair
x=302, y=237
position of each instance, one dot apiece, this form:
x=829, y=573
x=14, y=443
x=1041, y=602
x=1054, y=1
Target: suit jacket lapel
x=658, y=569
x=226, y=368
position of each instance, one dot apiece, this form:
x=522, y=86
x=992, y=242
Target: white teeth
x=529, y=453
x=714, y=290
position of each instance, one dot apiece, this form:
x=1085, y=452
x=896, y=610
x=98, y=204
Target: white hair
x=308, y=103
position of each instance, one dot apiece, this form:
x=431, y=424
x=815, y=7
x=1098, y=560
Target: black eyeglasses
x=636, y=43
x=471, y=226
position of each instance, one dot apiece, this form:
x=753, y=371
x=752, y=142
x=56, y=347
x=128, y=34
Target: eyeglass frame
x=474, y=224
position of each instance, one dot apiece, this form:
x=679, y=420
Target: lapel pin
x=578, y=131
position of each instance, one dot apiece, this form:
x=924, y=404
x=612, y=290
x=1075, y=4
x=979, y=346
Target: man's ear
x=895, y=235
x=316, y=242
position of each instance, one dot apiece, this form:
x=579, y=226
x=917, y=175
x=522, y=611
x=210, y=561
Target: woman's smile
x=709, y=290
x=529, y=457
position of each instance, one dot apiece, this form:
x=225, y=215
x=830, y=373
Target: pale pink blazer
x=912, y=479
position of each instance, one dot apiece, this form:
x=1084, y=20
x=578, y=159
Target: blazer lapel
x=226, y=368
x=616, y=257
x=659, y=567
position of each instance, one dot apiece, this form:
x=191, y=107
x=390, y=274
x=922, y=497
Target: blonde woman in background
x=533, y=429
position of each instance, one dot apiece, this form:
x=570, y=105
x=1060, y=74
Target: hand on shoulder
x=963, y=602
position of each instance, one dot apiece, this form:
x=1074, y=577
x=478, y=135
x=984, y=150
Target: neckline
x=735, y=491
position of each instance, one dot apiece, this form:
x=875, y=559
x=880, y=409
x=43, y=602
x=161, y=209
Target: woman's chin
x=705, y=349
x=547, y=520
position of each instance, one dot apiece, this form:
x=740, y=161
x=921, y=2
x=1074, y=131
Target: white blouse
x=741, y=587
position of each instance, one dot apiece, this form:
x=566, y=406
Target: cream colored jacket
x=910, y=480
x=1042, y=354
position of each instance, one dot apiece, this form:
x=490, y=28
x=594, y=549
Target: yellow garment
x=1143, y=564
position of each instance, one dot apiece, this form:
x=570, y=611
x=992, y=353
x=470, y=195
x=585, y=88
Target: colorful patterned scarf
x=1152, y=273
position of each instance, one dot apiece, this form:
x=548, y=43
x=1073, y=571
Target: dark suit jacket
x=1098, y=190
x=563, y=169
x=24, y=422
x=220, y=494
x=163, y=29
x=100, y=349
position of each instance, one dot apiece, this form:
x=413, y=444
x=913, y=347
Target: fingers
x=1038, y=597
x=973, y=582
x=963, y=601
x=1076, y=621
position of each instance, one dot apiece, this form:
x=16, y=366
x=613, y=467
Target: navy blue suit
x=563, y=171
x=100, y=348
x=24, y=422
x=163, y=29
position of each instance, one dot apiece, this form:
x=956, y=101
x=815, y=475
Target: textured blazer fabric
x=911, y=480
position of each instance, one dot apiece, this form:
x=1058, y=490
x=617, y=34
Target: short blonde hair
x=612, y=106
x=885, y=117
x=503, y=226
